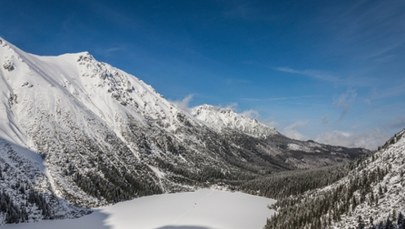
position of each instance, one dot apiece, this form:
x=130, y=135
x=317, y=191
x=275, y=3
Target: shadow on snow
x=95, y=220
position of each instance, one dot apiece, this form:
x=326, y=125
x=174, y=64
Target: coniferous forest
x=329, y=197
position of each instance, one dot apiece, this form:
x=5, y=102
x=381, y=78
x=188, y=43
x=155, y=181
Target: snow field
x=202, y=209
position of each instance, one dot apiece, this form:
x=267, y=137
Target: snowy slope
x=53, y=102
x=371, y=192
x=105, y=136
x=102, y=90
x=24, y=179
x=221, y=119
x=389, y=191
x=203, y=209
x=89, y=121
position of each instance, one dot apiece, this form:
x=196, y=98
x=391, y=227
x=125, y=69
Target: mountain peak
x=85, y=55
x=221, y=119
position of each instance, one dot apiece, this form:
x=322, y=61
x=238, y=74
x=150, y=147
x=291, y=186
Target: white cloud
x=233, y=106
x=315, y=74
x=293, y=130
x=184, y=103
x=254, y=114
x=251, y=113
x=270, y=122
x=370, y=140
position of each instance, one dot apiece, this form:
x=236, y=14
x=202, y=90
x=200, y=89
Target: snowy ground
x=203, y=209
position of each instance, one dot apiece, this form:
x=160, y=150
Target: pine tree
x=401, y=221
x=394, y=215
x=380, y=190
x=388, y=224
x=381, y=225
x=371, y=223
x=360, y=222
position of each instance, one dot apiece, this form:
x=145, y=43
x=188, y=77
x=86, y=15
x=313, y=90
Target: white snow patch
x=296, y=147
x=157, y=171
x=203, y=209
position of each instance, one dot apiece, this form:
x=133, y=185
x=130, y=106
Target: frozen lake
x=202, y=209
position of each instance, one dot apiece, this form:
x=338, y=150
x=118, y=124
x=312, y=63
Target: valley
x=85, y=144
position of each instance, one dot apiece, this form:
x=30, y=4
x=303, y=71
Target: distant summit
x=223, y=119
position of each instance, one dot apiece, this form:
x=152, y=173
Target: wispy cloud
x=293, y=130
x=242, y=10
x=315, y=74
x=282, y=98
x=389, y=92
x=370, y=139
x=184, y=104
x=114, y=49
x=115, y=15
x=251, y=113
x=370, y=30
x=233, y=106
x=245, y=10
x=398, y=123
x=235, y=81
x=345, y=101
x=353, y=79
x=384, y=52
x=107, y=52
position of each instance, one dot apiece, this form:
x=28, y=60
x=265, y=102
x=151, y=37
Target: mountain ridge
x=225, y=118
x=103, y=136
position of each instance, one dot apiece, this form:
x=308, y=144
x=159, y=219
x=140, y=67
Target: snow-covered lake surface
x=202, y=209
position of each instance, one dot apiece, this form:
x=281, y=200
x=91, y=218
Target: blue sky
x=333, y=71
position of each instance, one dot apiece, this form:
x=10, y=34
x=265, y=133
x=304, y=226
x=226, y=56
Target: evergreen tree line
x=40, y=201
x=17, y=212
x=13, y=213
x=284, y=184
x=20, y=200
x=115, y=185
x=321, y=209
x=392, y=222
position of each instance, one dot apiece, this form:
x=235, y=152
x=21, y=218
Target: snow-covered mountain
x=78, y=132
x=386, y=194
x=372, y=192
x=223, y=119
